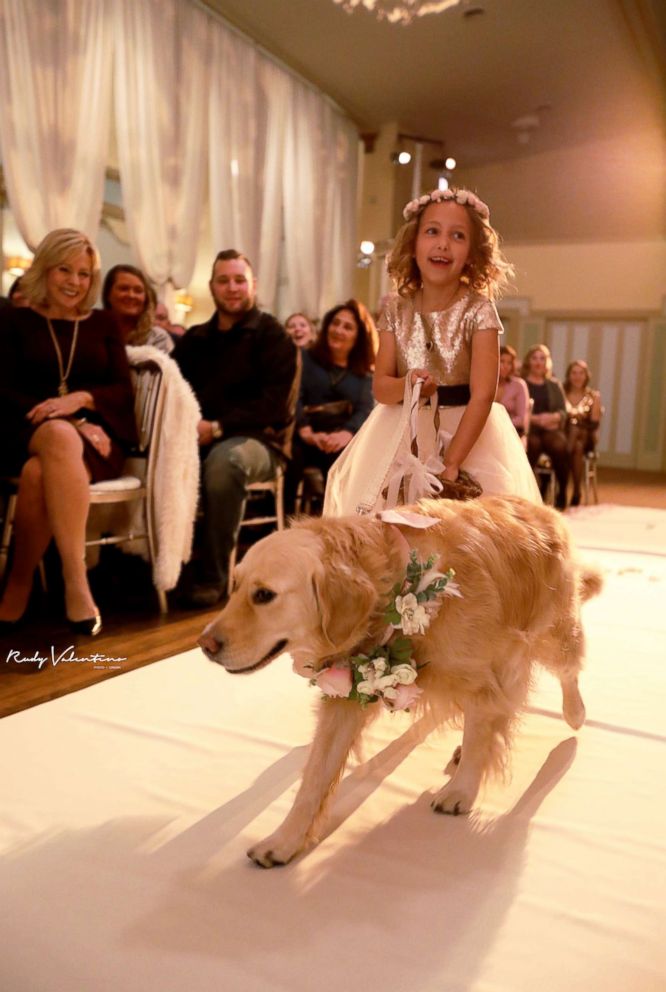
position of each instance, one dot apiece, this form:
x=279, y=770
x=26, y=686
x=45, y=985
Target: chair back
x=148, y=400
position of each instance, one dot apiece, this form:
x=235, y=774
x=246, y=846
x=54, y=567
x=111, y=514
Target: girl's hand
x=428, y=385
x=450, y=473
x=58, y=406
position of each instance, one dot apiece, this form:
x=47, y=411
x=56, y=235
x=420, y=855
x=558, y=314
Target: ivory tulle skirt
x=358, y=479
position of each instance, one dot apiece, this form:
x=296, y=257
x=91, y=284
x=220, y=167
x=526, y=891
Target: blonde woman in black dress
x=66, y=403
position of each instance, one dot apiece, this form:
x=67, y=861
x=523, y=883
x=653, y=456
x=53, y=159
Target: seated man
x=244, y=370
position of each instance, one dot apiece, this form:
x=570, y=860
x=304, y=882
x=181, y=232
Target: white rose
x=405, y=674
x=413, y=617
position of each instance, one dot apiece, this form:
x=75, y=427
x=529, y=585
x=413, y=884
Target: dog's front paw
x=452, y=799
x=274, y=851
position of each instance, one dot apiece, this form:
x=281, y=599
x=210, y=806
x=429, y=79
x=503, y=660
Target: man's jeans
x=230, y=466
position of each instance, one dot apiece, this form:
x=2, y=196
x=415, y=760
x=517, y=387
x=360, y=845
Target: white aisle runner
x=126, y=810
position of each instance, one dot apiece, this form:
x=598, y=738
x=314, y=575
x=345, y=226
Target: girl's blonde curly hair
x=486, y=271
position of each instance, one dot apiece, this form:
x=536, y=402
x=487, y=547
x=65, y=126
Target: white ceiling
x=590, y=69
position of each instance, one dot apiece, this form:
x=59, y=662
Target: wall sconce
x=401, y=158
x=182, y=301
x=364, y=257
x=445, y=167
x=16, y=265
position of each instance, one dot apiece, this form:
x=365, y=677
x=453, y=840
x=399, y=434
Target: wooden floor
x=135, y=634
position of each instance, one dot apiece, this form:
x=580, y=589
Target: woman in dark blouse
x=67, y=405
x=549, y=417
x=336, y=390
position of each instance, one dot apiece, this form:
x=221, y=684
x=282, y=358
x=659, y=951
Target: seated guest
x=336, y=392
x=16, y=296
x=300, y=329
x=67, y=409
x=584, y=415
x=127, y=294
x=161, y=319
x=547, y=423
x=512, y=391
x=244, y=370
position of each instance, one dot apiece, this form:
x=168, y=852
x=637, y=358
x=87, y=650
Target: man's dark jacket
x=246, y=377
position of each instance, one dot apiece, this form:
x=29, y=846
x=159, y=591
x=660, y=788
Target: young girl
x=441, y=328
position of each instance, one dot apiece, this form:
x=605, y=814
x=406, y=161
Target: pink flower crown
x=461, y=196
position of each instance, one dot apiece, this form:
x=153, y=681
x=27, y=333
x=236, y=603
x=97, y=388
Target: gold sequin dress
x=442, y=343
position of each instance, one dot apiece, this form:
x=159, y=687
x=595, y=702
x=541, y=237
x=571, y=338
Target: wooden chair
x=137, y=485
x=128, y=488
x=545, y=475
x=258, y=491
x=590, y=476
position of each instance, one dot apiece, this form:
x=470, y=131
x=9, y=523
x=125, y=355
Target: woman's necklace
x=63, y=372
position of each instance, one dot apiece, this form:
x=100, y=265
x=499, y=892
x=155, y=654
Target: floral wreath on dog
x=389, y=672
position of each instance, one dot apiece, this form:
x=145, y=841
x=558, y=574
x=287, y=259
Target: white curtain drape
x=55, y=106
x=319, y=182
x=247, y=112
x=161, y=88
x=282, y=177
x=194, y=103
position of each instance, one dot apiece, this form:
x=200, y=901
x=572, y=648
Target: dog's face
x=289, y=595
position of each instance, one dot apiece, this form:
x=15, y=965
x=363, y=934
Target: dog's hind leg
x=481, y=738
x=565, y=660
x=573, y=707
x=340, y=724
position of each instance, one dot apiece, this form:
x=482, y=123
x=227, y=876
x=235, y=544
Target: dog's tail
x=591, y=582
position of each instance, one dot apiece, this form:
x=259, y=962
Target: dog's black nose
x=210, y=645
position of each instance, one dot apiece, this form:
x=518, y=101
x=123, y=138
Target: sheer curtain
x=161, y=86
x=55, y=106
x=247, y=112
x=194, y=102
x=282, y=178
x=319, y=187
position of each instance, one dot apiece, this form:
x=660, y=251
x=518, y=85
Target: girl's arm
x=483, y=386
x=596, y=406
x=388, y=387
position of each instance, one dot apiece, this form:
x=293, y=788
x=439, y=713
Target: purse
x=325, y=418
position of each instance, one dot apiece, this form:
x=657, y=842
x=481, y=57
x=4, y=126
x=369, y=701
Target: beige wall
x=597, y=276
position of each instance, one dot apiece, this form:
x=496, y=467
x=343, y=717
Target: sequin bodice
x=442, y=341
x=581, y=412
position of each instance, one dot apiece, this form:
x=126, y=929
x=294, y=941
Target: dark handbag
x=325, y=418
x=465, y=487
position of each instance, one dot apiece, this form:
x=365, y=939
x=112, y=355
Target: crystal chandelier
x=398, y=11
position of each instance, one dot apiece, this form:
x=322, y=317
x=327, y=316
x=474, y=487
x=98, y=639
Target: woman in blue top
x=336, y=391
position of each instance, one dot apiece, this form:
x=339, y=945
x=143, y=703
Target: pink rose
x=336, y=682
x=404, y=696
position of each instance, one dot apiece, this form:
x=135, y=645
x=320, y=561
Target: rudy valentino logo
x=68, y=655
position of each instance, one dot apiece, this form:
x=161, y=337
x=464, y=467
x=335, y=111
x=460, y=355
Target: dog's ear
x=345, y=598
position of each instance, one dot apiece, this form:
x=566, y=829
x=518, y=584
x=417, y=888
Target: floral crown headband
x=461, y=196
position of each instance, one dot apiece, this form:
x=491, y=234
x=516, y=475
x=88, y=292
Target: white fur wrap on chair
x=176, y=479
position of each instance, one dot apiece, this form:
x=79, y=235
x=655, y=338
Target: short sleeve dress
x=442, y=343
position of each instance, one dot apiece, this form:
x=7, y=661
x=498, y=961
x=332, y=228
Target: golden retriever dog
x=319, y=591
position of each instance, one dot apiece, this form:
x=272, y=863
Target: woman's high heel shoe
x=91, y=626
x=11, y=626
